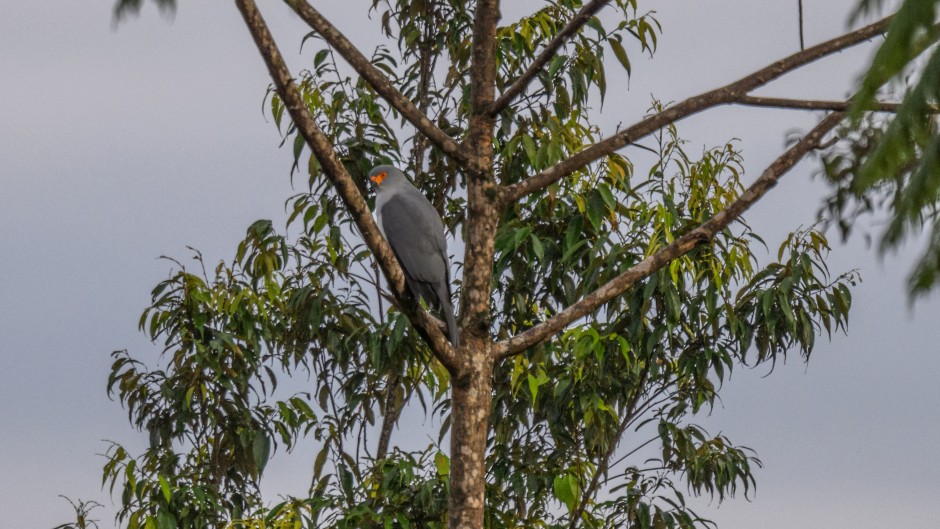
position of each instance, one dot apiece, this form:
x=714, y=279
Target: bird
x=415, y=232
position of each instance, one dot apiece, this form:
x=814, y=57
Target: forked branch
x=377, y=80
x=728, y=94
x=341, y=180
x=574, y=25
x=681, y=246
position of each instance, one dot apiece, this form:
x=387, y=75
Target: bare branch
x=808, y=104
x=522, y=82
x=721, y=96
x=389, y=418
x=376, y=79
x=702, y=234
x=342, y=181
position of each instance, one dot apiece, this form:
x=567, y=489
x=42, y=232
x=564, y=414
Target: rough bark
x=471, y=403
x=471, y=387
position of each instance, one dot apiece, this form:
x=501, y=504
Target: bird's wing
x=416, y=234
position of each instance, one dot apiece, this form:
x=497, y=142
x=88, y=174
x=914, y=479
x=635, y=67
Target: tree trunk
x=472, y=380
x=471, y=402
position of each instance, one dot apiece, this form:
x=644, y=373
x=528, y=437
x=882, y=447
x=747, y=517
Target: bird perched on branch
x=415, y=232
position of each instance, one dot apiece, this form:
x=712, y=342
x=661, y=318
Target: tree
x=601, y=307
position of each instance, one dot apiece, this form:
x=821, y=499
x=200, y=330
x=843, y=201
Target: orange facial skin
x=378, y=178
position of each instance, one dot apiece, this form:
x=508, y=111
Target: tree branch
x=808, y=104
x=727, y=94
x=376, y=79
x=389, y=418
x=398, y=306
x=522, y=82
x=681, y=246
x=342, y=181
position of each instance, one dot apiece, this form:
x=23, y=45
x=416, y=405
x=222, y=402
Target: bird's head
x=381, y=173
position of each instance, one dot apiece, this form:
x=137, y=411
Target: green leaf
x=442, y=463
x=787, y=310
x=165, y=487
x=596, y=209
x=555, y=65
x=621, y=55
x=534, y=384
x=320, y=461
x=320, y=57
x=566, y=490
x=910, y=31
x=261, y=450
x=767, y=301
x=537, y=247
x=346, y=481
x=529, y=145
x=166, y=520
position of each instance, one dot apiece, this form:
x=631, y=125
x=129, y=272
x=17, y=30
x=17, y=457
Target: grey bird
x=415, y=232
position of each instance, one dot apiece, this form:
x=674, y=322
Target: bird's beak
x=378, y=178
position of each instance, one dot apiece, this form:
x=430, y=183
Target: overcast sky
x=121, y=145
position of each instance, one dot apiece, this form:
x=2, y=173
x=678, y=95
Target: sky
x=122, y=144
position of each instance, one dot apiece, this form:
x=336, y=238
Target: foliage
x=649, y=360
x=897, y=161
x=593, y=427
x=82, y=515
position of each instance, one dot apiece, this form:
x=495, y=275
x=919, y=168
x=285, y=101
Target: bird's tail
x=449, y=318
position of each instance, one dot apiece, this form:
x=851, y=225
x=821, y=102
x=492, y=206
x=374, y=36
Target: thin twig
x=389, y=418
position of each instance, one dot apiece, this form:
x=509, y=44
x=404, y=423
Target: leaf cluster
x=652, y=358
x=896, y=162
